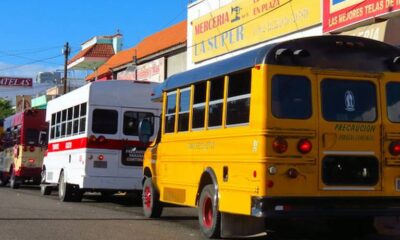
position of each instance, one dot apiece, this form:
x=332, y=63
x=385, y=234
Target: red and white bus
x=21, y=160
x=93, y=139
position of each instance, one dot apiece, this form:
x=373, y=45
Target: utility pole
x=66, y=52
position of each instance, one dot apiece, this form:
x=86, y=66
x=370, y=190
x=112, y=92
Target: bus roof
x=324, y=52
x=112, y=93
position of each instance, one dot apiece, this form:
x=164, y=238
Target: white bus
x=93, y=139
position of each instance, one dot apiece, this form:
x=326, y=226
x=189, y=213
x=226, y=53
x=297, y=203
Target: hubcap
x=207, y=212
x=147, y=197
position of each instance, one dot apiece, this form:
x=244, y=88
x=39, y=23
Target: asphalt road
x=26, y=215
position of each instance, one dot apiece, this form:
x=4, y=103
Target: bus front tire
x=209, y=216
x=152, y=207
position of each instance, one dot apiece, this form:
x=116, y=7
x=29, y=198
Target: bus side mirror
x=43, y=138
x=145, y=129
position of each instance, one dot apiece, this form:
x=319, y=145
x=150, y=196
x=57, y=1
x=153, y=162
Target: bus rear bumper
x=111, y=183
x=28, y=172
x=324, y=207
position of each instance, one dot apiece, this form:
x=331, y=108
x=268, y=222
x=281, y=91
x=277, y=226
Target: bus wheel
x=64, y=190
x=209, y=216
x=3, y=179
x=152, y=207
x=45, y=190
x=14, y=183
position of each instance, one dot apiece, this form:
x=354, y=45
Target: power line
x=29, y=63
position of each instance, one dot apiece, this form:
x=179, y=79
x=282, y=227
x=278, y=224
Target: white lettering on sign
x=68, y=145
x=56, y=146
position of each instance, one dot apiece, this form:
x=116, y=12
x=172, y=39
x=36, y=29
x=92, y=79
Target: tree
x=6, y=108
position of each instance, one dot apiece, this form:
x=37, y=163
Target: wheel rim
x=207, y=212
x=147, y=197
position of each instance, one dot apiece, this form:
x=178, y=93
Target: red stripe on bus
x=80, y=143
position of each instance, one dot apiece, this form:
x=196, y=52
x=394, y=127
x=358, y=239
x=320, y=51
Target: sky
x=33, y=32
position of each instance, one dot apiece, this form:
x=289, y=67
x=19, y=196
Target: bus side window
x=238, y=102
x=184, y=106
x=170, y=112
x=216, y=102
x=199, y=105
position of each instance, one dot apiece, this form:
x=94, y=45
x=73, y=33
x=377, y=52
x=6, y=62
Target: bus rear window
x=393, y=101
x=348, y=100
x=105, y=121
x=31, y=136
x=291, y=97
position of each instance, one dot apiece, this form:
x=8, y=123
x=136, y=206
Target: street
x=25, y=214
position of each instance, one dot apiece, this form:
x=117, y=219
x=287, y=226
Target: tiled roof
x=162, y=40
x=157, y=42
x=117, y=60
x=97, y=50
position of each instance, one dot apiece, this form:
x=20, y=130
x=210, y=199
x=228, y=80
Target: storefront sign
x=374, y=31
x=247, y=22
x=153, y=71
x=339, y=14
x=22, y=102
x=15, y=82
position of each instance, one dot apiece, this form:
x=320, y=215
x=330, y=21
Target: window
x=32, y=136
x=82, y=119
x=184, y=106
x=105, y=121
x=238, y=102
x=291, y=97
x=393, y=101
x=199, y=105
x=216, y=102
x=132, y=119
x=170, y=113
x=348, y=100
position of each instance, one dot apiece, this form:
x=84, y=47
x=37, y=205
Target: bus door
x=349, y=133
x=390, y=97
x=132, y=150
x=105, y=128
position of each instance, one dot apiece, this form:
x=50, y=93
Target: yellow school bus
x=303, y=128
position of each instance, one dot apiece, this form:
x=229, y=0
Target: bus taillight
x=92, y=138
x=31, y=148
x=101, y=157
x=394, y=148
x=101, y=139
x=280, y=145
x=304, y=146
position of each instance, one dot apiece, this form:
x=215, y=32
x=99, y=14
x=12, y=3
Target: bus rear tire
x=45, y=190
x=3, y=179
x=65, y=190
x=209, y=216
x=152, y=207
x=14, y=181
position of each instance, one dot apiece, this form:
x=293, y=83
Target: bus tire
x=14, y=182
x=45, y=190
x=65, y=190
x=152, y=207
x=3, y=179
x=209, y=216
